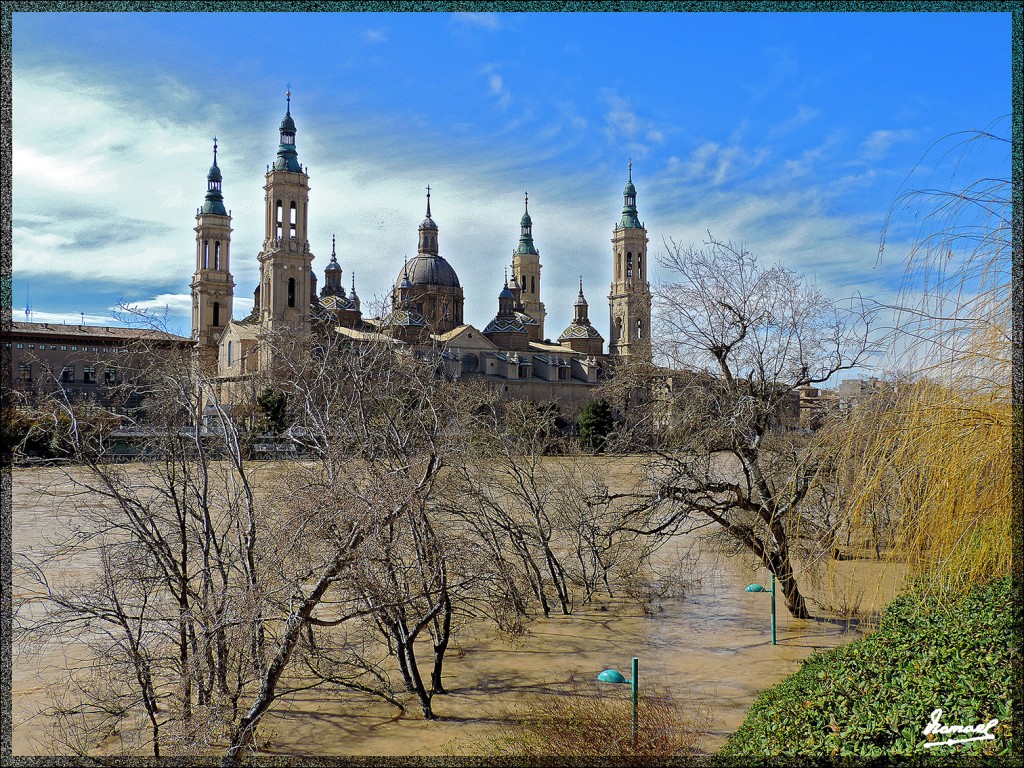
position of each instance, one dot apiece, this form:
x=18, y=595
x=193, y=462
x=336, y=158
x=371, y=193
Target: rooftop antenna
x=28, y=303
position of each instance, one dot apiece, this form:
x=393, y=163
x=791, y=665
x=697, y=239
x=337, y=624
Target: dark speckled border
x=6, y=304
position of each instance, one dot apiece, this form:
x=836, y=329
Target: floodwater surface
x=709, y=647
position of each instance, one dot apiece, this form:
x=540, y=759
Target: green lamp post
x=614, y=676
x=759, y=588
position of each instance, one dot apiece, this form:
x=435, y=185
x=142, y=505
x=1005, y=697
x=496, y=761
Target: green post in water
x=634, y=684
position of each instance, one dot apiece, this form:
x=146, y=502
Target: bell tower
x=213, y=288
x=526, y=270
x=629, y=301
x=285, y=260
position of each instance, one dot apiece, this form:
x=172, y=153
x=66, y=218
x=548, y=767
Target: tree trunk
x=417, y=681
x=441, y=634
x=783, y=569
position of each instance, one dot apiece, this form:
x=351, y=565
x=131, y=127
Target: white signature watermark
x=935, y=726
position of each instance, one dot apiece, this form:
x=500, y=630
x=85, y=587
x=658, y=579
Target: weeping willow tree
x=934, y=460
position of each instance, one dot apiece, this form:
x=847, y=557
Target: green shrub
x=874, y=697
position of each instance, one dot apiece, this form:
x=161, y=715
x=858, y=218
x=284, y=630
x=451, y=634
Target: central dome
x=428, y=270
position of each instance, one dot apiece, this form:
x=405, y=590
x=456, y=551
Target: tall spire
x=214, y=202
x=630, y=217
x=287, y=156
x=526, y=230
x=428, y=233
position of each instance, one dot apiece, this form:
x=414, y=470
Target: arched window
x=230, y=355
x=293, y=219
x=639, y=329
x=216, y=313
x=640, y=265
x=533, y=284
x=629, y=265
x=618, y=266
x=291, y=291
x=617, y=331
x=280, y=220
x=206, y=254
x=216, y=255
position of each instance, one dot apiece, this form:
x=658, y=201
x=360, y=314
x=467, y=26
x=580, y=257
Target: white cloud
x=66, y=318
x=804, y=115
x=175, y=303
x=496, y=86
x=626, y=128
x=477, y=20
x=877, y=145
x=715, y=165
x=374, y=36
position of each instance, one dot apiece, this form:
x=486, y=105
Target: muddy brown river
x=711, y=648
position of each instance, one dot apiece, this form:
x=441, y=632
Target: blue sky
x=792, y=133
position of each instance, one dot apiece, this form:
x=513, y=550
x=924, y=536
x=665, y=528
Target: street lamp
x=614, y=676
x=759, y=588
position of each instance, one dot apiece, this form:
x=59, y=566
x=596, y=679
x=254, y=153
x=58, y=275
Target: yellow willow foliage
x=936, y=458
x=931, y=459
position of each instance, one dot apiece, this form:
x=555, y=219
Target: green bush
x=874, y=697
x=595, y=423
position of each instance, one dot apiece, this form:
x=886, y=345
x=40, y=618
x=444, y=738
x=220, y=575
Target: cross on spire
x=428, y=201
x=631, y=168
x=527, y=201
x=332, y=246
x=214, y=150
x=288, y=95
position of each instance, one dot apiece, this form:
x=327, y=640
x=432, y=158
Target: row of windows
x=533, y=282
x=67, y=375
x=293, y=215
x=206, y=254
x=629, y=265
x=63, y=347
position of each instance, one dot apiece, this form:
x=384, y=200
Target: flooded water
x=711, y=648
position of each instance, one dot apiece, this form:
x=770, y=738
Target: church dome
x=428, y=270
x=288, y=124
x=506, y=325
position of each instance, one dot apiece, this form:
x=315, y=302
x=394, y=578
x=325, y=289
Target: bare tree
x=741, y=340
x=549, y=522
x=378, y=423
x=173, y=545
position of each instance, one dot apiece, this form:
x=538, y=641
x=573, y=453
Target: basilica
x=425, y=304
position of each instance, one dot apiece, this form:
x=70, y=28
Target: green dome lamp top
x=214, y=202
x=611, y=676
x=630, y=217
x=526, y=245
x=287, y=156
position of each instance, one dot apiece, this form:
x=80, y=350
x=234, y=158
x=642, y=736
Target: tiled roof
x=404, y=317
x=576, y=331
x=95, y=331
x=506, y=325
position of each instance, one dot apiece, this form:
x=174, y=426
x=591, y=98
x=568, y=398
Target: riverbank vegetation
x=928, y=467
x=875, y=697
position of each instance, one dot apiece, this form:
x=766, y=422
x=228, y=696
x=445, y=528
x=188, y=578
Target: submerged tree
x=741, y=340
x=216, y=587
